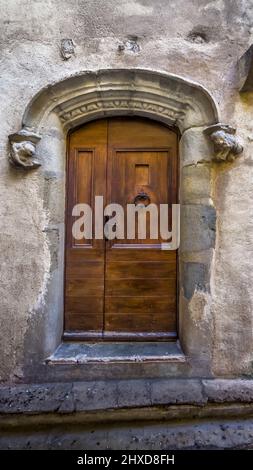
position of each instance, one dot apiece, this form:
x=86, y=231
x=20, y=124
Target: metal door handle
x=142, y=198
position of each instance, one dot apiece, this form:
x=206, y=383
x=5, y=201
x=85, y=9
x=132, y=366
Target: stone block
x=102, y=395
x=196, y=184
x=31, y=399
x=198, y=224
x=180, y=391
x=194, y=277
x=95, y=395
x=195, y=147
x=225, y=390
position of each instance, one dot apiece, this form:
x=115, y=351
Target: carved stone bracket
x=23, y=148
x=226, y=145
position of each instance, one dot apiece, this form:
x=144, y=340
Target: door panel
x=129, y=169
x=142, y=269
x=141, y=159
x=121, y=289
x=84, y=272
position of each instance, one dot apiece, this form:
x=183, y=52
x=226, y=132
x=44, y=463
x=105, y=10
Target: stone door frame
x=40, y=146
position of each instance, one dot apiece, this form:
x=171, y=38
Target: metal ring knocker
x=142, y=199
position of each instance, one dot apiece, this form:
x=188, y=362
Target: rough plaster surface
x=202, y=43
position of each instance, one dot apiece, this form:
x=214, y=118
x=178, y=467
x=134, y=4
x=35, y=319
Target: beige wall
x=198, y=40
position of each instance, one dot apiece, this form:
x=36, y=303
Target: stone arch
x=91, y=95
x=169, y=99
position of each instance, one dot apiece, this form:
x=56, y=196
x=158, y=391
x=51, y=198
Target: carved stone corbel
x=226, y=145
x=23, y=149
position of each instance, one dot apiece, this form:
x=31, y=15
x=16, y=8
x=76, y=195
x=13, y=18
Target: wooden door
x=123, y=289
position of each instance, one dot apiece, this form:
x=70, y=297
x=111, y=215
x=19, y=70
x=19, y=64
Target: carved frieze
x=23, y=149
x=126, y=104
x=226, y=145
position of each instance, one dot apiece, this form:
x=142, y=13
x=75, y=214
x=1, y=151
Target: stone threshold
x=116, y=352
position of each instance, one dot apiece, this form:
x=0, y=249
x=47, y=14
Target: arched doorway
x=124, y=288
x=77, y=100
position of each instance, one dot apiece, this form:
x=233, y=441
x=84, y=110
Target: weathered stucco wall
x=198, y=40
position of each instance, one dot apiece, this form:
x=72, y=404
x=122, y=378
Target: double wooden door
x=121, y=289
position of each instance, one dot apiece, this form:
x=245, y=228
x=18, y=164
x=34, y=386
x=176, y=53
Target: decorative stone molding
x=23, y=148
x=91, y=95
x=226, y=144
x=122, y=104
